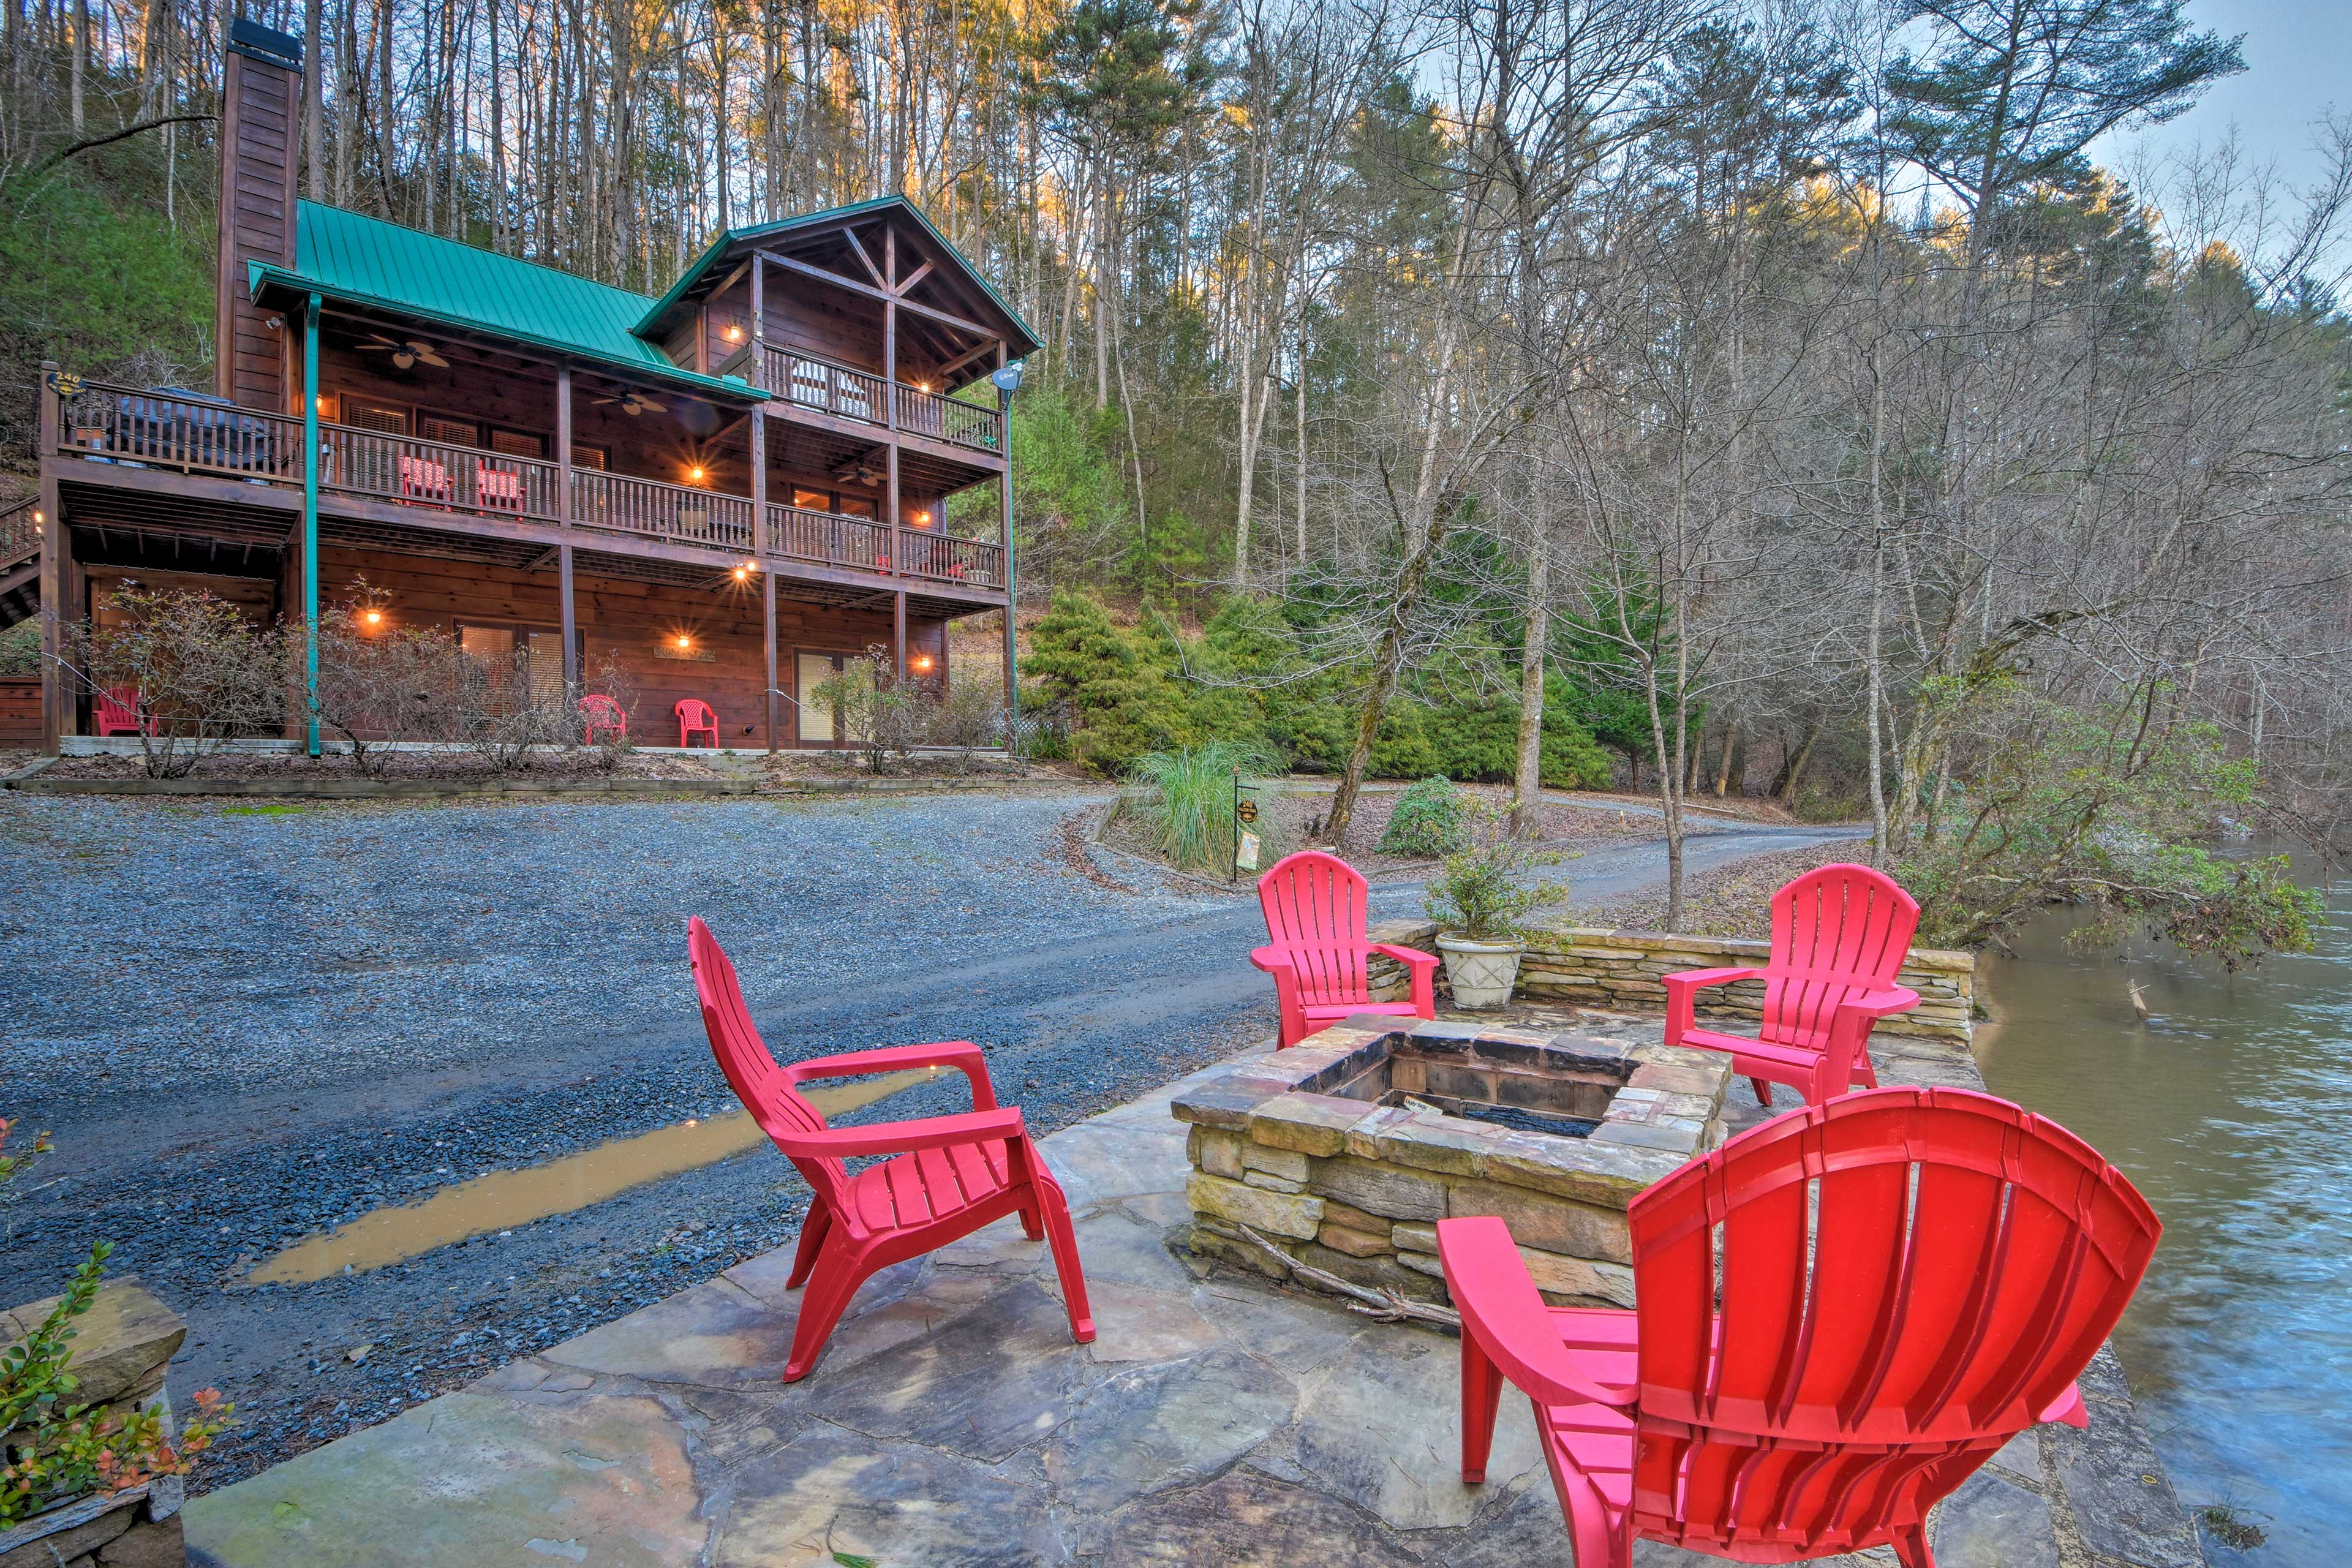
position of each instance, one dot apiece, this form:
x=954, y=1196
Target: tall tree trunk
x=1526, y=790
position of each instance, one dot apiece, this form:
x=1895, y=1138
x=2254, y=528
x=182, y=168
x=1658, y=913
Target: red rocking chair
x=601, y=715
x=1838, y=938
x=695, y=718
x=1317, y=949
x=1909, y=1277
x=947, y=1176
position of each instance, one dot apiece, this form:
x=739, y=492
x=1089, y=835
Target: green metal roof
x=648, y=323
x=352, y=257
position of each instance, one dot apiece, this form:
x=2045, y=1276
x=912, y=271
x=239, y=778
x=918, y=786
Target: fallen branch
x=54, y=159
x=1388, y=1306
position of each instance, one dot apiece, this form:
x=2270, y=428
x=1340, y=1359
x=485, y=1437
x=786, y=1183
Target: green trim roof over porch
x=360, y=260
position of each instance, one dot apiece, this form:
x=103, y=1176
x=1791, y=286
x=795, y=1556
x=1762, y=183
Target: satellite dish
x=1007, y=378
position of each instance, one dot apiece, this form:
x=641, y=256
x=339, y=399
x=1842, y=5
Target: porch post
x=573, y=688
x=311, y=522
x=890, y=407
x=762, y=545
x=54, y=695
x=1005, y=537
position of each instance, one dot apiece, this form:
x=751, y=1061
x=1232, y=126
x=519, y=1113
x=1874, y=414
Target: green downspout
x=310, y=517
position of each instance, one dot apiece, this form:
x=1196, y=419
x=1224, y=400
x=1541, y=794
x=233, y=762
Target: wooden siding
x=257, y=224
x=20, y=710
x=635, y=622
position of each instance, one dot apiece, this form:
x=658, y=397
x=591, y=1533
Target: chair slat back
x=117, y=708
x=1837, y=933
x=1907, y=1277
x=779, y=1109
x=1314, y=906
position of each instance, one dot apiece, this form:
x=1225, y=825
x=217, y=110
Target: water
x=2230, y=1107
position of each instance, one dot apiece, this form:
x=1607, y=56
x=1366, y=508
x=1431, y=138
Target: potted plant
x=1481, y=899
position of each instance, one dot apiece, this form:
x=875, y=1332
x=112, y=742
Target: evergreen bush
x=1432, y=819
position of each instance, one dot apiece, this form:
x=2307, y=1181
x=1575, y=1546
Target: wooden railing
x=948, y=560
x=666, y=512
x=808, y=382
x=947, y=418
x=435, y=474
x=828, y=537
x=20, y=535
x=157, y=429
x=195, y=434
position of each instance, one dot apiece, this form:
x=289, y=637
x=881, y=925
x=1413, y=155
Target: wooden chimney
x=259, y=110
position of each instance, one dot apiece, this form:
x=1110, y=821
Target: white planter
x=1481, y=973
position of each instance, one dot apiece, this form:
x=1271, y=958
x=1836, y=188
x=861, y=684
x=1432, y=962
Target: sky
x=2298, y=64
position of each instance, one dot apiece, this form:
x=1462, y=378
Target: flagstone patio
x=1216, y=1420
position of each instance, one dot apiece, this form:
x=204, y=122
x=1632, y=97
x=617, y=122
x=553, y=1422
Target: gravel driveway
x=247, y=1024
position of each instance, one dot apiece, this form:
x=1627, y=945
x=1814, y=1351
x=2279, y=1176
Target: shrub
x=1430, y=818
x=1119, y=686
x=1487, y=891
x=194, y=665
x=20, y=647
x=889, y=719
x=1185, y=798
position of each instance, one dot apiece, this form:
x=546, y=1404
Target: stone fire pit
x=1345, y=1151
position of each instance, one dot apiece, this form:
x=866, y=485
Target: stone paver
x=1217, y=1420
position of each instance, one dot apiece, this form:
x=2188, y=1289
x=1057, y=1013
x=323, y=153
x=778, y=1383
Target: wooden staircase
x=20, y=564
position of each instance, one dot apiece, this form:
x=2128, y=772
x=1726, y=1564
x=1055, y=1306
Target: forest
x=1700, y=397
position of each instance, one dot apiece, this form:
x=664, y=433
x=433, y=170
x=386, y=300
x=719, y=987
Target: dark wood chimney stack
x=258, y=110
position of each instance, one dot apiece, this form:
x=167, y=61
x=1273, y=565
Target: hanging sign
x=1245, y=852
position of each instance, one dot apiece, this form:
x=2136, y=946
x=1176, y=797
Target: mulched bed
x=451, y=764
x=1732, y=901
x=1565, y=826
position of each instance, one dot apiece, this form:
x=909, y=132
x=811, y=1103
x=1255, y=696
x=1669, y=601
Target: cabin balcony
x=466, y=488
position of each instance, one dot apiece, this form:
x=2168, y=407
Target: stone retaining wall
x=121, y=1349
x=1620, y=969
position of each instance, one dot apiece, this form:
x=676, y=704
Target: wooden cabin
x=731, y=489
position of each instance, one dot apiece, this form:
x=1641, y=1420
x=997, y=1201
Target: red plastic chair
x=1909, y=1279
x=949, y=1176
x=601, y=715
x=1838, y=938
x=1317, y=949
x=116, y=712
x=498, y=489
x=422, y=478
x=695, y=718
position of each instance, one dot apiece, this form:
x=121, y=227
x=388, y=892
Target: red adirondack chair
x=695, y=718
x=601, y=715
x=1317, y=952
x=1838, y=938
x=1910, y=1278
x=116, y=712
x=948, y=1176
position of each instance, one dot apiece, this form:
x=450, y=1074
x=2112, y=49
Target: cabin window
x=512, y=659
x=517, y=443
x=375, y=417
x=588, y=457
x=812, y=501
x=453, y=432
x=822, y=723
x=856, y=506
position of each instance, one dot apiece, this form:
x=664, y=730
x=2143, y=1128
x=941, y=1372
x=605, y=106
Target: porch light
x=374, y=618
x=734, y=334
x=695, y=474
x=921, y=661
x=685, y=641
x=743, y=574
x=922, y=519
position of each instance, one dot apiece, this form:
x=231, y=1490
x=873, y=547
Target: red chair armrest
x=961, y=1054
x=1699, y=979
x=2069, y=1408
x=1881, y=1003
x=1411, y=957
x=1274, y=960
x=905, y=1137
x=1501, y=1309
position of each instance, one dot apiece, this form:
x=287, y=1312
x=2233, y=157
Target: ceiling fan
x=864, y=472
x=635, y=403
x=405, y=351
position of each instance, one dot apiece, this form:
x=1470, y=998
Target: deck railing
x=828, y=537
x=435, y=474
x=20, y=535
x=196, y=434
x=669, y=511
x=808, y=382
x=947, y=418
x=948, y=560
